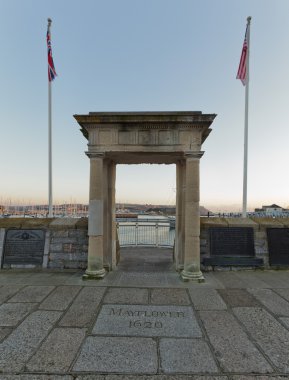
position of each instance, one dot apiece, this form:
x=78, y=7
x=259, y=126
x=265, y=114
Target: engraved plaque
x=278, y=244
x=140, y=320
x=24, y=247
x=232, y=241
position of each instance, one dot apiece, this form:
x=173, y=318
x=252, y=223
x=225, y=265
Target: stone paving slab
x=8, y=291
x=23, y=341
x=285, y=321
x=270, y=335
x=238, y=298
x=230, y=280
x=36, y=377
x=121, y=355
x=186, y=356
x=283, y=293
x=84, y=308
x=12, y=313
x=32, y=294
x=273, y=279
x=4, y=331
x=251, y=279
x=126, y=296
x=169, y=297
x=206, y=299
x=60, y=298
x=58, y=351
x=156, y=377
x=146, y=280
x=232, y=347
x=272, y=301
x=151, y=321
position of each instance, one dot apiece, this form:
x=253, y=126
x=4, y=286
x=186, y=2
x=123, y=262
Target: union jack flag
x=242, y=71
x=51, y=69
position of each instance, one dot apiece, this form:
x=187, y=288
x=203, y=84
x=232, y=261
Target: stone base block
x=192, y=276
x=94, y=275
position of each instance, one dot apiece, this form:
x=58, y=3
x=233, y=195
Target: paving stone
x=251, y=279
x=206, y=299
x=273, y=279
x=233, y=349
x=32, y=294
x=282, y=292
x=35, y=377
x=271, y=336
x=238, y=297
x=126, y=296
x=12, y=313
x=132, y=320
x=84, y=308
x=157, y=377
x=285, y=321
x=23, y=341
x=230, y=280
x=8, y=291
x=60, y=298
x=169, y=297
x=121, y=355
x=58, y=351
x=4, y=331
x=263, y=377
x=187, y=356
x=276, y=304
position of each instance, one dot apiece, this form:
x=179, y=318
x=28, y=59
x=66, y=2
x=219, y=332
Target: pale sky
x=144, y=55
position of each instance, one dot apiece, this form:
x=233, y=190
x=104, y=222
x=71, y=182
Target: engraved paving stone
x=132, y=320
x=24, y=247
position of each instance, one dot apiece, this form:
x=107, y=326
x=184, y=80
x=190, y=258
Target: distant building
x=272, y=210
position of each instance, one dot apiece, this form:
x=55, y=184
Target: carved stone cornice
x=195, y=155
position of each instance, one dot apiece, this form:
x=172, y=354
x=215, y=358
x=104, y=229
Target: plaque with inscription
x=24, y=247
x=232, y=241
x=153, y=321
x=278, y=244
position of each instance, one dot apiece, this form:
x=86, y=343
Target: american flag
x=51, y=69
x=242, y=71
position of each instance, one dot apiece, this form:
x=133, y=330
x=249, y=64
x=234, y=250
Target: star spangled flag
x=51, y=69
x=242, y=71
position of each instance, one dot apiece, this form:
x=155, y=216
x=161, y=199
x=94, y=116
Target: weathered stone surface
x=121, y=355
x=22, y=342
x=132, y=320
x=282, y=292
x=159, y=377
x=206, y=299
x=58, y=351
x=60, y=298
x=8, y=291
x=32, y=294
x=264, y=377
x=285, y=321
x=4, y=331
x=126, y=296
x=272, y=301
x=186, y=356
x=233, y=349
x=12, y=313
x=169, y=297
x=230, y=280
x=271, y=336
x=238, y=297
x=83, y=308
x=36, y=377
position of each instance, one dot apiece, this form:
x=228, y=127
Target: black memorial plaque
x=278, y=244
x=24, y=247
x=232, y=241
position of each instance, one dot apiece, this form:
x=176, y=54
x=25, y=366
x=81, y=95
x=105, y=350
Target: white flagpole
x=50, y=210
x=244, y=212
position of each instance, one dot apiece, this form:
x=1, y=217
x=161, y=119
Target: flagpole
x=50, y=210
x=244, y=211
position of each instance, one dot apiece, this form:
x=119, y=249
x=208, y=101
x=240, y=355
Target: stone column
x=111, y=210
x=180, y=215
x=95, y=268
x=192, y=220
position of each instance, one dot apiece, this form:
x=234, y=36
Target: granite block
x=276, y=304
x=186, y=356
x=8, y=291
x=169, y=297
x=272, y=337
x=238, y=297
x=233, y=349
x=153, y=321
x=126, y=296
x=84, y=308
x=24, y=340
x=206, y=299
x=60, y=298
x=32, y=294
x=12, y=313
x=58, y=351
x=121, y=355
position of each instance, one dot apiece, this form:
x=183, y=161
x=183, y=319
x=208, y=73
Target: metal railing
x=145, y=233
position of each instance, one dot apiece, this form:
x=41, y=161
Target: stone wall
x=66, y=240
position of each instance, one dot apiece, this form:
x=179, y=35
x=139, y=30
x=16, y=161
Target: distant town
x=127, y=210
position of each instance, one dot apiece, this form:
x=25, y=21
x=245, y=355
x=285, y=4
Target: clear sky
x=144, y=55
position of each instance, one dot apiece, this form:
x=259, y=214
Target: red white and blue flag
x=51, y=69
x=242, y=71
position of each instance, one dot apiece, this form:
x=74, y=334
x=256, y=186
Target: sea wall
x=66, y=241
